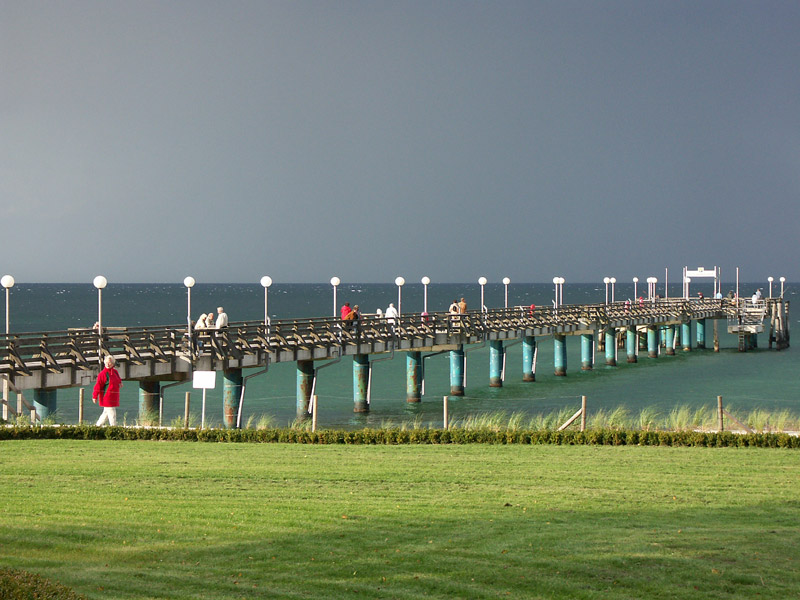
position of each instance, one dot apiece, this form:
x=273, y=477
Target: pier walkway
x=46, y=361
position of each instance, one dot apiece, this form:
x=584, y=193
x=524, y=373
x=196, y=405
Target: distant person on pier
x=453, y=310
x=106, y=392
x=222, y=318
x=391, y=314
x=202, y=322
x=462, y=306
x=346, y=310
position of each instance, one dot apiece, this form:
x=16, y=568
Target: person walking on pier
x=106, y=392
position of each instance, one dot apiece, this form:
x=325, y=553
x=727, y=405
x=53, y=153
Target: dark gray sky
x=227, y=140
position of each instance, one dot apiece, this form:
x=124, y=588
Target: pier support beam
x=701, y=333
x=611, y=346
x=587, y=352
x=414, y=376
x=148, y=402
x=45, y=402
x=496, y=363
x=305, y=379
x=360, y=382
x=560, y=354
x=670, y=340
x=528, y=352
x=231, y=396
x=457, y=371
x=686, y=336
x=652, y=341
x=630, y=343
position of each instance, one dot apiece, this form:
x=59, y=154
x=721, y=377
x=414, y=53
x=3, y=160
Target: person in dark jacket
x=106, y=392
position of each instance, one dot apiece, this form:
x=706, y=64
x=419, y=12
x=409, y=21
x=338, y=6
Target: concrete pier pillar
x=611, y=346
x=587, y=352
x=528, y=351
x=360, y=382
x=45, y=402
x=413, y=376
x=305, y=379
x=700, y=332
x=670, y=340
x=686, y=336
x=231, y=396
x=457, y=371
x=652, y=341
x=753, y=341
x=630, y=343
x=148, y=402
x=496, y=363
x=560, y=354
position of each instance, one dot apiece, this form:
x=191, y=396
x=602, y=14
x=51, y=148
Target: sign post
x=205, y=380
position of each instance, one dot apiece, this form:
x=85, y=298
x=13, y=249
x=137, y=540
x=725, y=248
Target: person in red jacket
x=106, y=392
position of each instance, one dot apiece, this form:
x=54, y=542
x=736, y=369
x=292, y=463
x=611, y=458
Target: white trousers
x=110, y=413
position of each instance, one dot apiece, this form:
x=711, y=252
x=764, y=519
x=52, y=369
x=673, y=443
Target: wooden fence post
x=80, y=406
x=186, y=411
x=446, y=419
x=314, y=413
x=583, y=413
x=720, y=422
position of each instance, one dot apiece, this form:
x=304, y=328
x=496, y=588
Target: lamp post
x=613, y=281
x=770, y=279
x=7, y=282
x=482, y=282
x=425, y=281
x=399, y=282
x=266, y=281
x=189, y=283
x=506, y=281
x=688, y=281
x=335, y=281
x=100, y=282
x=782, y=280
x=635, y=286
x=558, y=289
x=651, y=288
x=606, y=280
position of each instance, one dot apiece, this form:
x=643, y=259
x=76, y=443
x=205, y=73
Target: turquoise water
x=762, y=378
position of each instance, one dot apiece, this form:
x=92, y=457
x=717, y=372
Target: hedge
x=602, y=437
x=21, y=585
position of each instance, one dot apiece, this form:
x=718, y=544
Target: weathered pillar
x=652, y=341
x=587, y=352
x=495, y=363
x=149, y=392
x=670, y=340
x=611, y=346
x=414, y=376
x=701, y=333
x=753, y=341
x=528, y=351
x=305, y=379
x=560, y=354
x=457, y=371
x=231, y=396
x=45, y=402
x=360, y=382
x=686, y=336
x=630, y=343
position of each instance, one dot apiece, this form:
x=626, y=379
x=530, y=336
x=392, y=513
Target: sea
x=756, y=379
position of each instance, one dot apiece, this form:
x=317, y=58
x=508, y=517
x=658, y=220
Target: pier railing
x=82, y=349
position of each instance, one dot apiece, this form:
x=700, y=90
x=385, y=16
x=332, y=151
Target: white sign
x=206, y=380
x=701, y=272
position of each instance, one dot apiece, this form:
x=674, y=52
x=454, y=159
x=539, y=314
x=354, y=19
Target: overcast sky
x=147, y=141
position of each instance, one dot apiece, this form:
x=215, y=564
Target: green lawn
x=195, y=520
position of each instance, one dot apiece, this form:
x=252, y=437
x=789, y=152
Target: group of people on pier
x=206, y=321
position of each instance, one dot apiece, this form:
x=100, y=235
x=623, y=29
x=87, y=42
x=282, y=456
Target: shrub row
x=21, y=585
x=605, y=437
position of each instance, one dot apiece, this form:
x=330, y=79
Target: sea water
x=756, y=379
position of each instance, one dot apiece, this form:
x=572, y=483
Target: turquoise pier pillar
x=560, y=354
x=148, y=402
x=231, y=396
x=45, y=402
x=305, y=380
x=587, y=352
x=457, y=371
x=528, y=351
x=360, y=382
x=652, y=341
x=630, y=343
x=701, y=333
x=413, y=376
x=611, y=347
x=753, y=341
x=495, y=363
x=670, y=340
x=686, y=336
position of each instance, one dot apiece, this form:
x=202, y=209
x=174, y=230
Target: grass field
x=189, y=520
